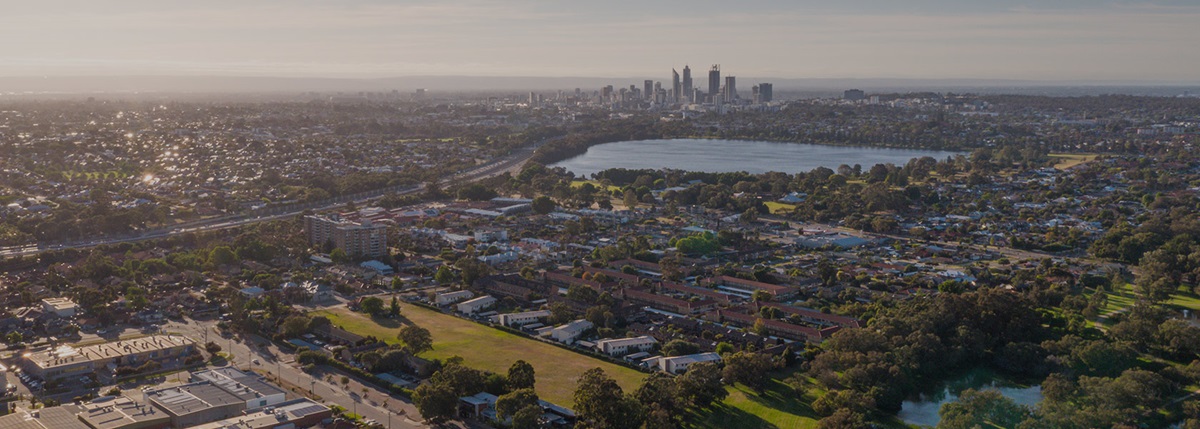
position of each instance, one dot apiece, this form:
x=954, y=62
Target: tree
x=509, y=403
x=543, y=205
x=436, y=403
x=701, y=385
x=295, y=326
x=527, y=418
x=600, y=403
x=761, y=296
x=443, y=275
x=394, y=309
x=659, y=390
x=630, y=199
x=339, y=256
x=212, y=348
x=460, y=379
x=416, y=339
x=680, y=347
x=981, y=408
x=221, y=255
x=521, y=375
x=843, y=419
x=748, y=368
x=372, y=305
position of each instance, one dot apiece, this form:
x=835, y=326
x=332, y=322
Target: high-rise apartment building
x=714, y=80
x=355, y=238
x=676, y=86
x=688, y=94
x=765, y=92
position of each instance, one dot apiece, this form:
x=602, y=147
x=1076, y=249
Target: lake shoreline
x=727, y=156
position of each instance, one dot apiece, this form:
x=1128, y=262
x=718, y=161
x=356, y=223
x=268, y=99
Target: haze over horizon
x=1069, y=41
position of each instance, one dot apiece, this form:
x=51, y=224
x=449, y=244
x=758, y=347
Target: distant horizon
x=1061, y=41
x=163, y=83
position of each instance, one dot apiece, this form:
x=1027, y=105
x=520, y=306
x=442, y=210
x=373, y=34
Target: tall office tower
x=648, y=89
x=532, y=98
x=714, y=80
x=676, y=86
x=687, y=84
x=657, y=86
x=606, y=93
x=578, y=93
x=730, y=88
x=754, y=94
x=765, y=92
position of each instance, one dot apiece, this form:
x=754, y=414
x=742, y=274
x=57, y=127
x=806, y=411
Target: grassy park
x=777, y=407
x=1068, y=160
x=779, y=208
x=488, y=349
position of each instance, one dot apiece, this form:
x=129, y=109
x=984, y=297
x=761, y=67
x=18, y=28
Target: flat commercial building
x=355, y=238
x=297, y=413
x=196, y=403
x=122, y=413
x=214, y=395
x=68, y=361
x=62, y=417
x=252, y=389
x=62, y=307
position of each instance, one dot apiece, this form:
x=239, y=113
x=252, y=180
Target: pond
x=723, y=156
x=923, y=411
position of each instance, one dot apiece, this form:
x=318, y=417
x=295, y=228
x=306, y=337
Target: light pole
x=389, y=411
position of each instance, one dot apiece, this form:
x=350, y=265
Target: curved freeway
x=509, y=164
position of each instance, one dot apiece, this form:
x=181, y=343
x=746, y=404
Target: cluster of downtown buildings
x=682, y=92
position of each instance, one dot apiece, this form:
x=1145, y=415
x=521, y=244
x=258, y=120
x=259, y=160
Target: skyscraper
x=764, y=92
x=687, y=84
x=730, y=88
x=677, y=87
x=714, y=80
x=648, y=89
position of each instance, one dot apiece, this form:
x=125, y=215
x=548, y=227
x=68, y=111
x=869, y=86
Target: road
x=280, y=366
x=509, y=164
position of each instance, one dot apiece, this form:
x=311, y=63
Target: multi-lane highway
x=509, y=164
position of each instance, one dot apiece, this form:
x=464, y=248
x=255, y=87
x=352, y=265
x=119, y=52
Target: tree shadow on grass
x=779, y=396
x=721, y=415
x=396, y=322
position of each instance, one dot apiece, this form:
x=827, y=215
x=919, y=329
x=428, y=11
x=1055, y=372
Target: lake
x=723, y=156
x=923, y=411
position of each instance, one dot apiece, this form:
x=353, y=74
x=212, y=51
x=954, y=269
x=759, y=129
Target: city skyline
x=931, y=39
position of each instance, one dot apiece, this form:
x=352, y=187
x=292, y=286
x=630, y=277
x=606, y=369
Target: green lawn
x=578, y=183
x=777, y=207
x=485, y=348
x=777, y=407
x=1068, y=160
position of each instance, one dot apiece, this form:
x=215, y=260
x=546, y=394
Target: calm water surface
x=720, y=156
x=923, y=410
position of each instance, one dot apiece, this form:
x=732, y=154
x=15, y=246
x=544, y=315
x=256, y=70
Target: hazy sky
x=1035, y=39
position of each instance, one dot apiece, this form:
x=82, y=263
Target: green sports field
x=489, y=349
